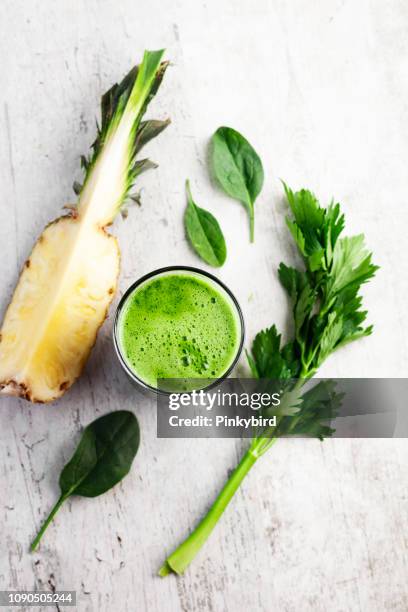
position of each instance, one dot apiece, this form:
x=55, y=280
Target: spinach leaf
x=103, y=457
x=204, y=233
x=237, y=168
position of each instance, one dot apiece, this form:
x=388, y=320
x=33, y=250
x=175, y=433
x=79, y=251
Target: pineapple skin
x=58, y=306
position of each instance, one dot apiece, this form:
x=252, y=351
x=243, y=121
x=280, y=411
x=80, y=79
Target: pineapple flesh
x=69, y=280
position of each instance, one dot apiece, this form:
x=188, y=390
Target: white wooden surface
x=321, y=90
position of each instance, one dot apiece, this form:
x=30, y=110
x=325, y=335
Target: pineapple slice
x=69, y=280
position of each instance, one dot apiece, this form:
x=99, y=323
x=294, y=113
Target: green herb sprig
x=327, y=314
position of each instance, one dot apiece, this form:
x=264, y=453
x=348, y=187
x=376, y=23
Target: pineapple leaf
x=133, y=199
x=147, y=131
x=131, y=95
x=77, y=187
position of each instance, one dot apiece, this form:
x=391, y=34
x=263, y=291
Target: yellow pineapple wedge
x=69, y=280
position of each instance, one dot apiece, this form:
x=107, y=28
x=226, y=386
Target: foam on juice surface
x=178, y=326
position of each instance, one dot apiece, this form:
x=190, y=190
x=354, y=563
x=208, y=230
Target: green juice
x=179, y=326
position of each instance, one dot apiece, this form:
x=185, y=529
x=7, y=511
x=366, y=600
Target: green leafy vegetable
x=103, y=457
x=238, y=169
x=204, y=233
x=318, y=405
x=326, y=309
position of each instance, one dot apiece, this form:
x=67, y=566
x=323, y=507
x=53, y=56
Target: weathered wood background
x=321, y=90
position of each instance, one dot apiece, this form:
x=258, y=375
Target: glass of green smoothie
x=178, y=324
